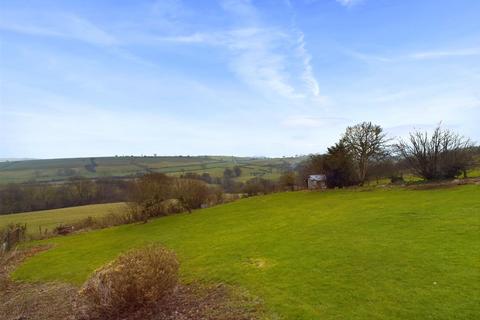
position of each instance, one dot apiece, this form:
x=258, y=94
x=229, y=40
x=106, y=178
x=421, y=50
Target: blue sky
x=232, y=77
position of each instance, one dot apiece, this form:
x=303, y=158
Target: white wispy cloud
x=302, y=121
x=435, y=54
x=307, y=74
x=253, y=55
x=272, y=59
x=61, y=25
x=241, y=9
x=368, y=57
x=269, y=58
x=257, y=64
x=418, y=55
x=170, y=9
x=349, y=3
x=260, y=58
x=202, y=38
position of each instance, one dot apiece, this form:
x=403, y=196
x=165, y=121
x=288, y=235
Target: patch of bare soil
x=59, y=301
x=22, y=301
x=197, y=302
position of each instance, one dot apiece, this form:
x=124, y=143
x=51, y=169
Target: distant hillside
x=58, y=170
x=14, y=159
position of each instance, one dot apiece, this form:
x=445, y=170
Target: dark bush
x=258, y=186
x=150, y=192
x=339, y=167
x=191, y=194
x=63, y=230
x=397, y=179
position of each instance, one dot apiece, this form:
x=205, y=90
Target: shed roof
x=317, y=177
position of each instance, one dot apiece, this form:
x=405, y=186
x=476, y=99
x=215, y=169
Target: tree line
x=77, y=191
x=364, y=153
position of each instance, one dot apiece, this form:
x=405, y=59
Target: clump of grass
x=137, y=279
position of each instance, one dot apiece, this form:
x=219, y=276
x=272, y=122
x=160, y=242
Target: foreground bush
x=136, y=279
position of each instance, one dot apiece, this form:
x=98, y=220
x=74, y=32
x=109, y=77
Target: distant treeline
x=79, y=191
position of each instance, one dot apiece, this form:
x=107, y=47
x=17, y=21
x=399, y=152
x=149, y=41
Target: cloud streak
x=425, y=55
x=307, y=75
x=257, y=64
x=60, y=25
x=313, y=121
x=414, y=56
x=271, y=59
x=349, y=3
x=265, y=57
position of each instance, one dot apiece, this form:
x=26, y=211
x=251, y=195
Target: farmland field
x=57, y=170
x=49, y=219
x=340, y=254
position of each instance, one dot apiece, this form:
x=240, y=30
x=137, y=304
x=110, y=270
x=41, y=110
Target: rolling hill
x=58, y=170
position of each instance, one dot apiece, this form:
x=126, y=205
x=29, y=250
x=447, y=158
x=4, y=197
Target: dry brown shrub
x=137, y=279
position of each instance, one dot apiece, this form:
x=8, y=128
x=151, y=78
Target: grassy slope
x=397, y=254
x=51, y=218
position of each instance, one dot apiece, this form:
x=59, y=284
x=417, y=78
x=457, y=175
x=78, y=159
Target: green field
x=58, y=170
x=51, y=218
x=474, y=173
x=341, y=254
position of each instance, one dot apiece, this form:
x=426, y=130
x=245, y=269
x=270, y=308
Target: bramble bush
x=137, y=279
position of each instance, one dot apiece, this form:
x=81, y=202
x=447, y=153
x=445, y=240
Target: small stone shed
x=317, y=181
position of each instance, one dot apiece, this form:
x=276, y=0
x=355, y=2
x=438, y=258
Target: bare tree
x=365, y=141
x=192, y=194
x=287, y=180
x=444, y=154
x=149, y=192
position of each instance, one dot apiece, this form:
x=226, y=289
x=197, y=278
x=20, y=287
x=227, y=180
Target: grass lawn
x=384, y=254
x=51, y=218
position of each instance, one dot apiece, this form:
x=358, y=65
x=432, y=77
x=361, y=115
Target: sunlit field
x=37, y=221
x=341, y=254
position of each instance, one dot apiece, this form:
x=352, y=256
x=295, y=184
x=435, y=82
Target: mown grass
x=383, y=254
x=49, y=219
